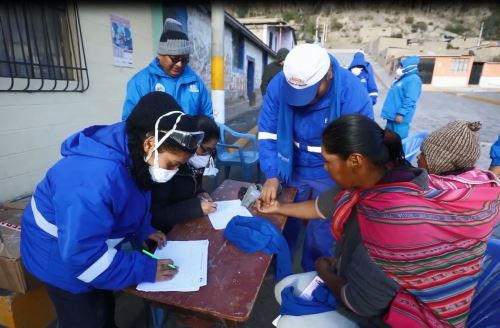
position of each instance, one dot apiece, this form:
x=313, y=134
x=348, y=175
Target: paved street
x=435, y=109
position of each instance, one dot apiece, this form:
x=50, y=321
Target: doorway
x=475, y=74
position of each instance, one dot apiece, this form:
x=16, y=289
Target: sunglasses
x=175, y=59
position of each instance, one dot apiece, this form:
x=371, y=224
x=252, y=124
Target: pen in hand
x=169, y=265
x=150, y=255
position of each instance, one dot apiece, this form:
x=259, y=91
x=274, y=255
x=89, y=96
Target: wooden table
x=234, y=277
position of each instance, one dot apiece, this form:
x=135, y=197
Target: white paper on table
x=188, y=257
x=225, y=211
x=204, y=268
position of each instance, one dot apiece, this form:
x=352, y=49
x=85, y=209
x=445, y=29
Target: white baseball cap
x=304, y=67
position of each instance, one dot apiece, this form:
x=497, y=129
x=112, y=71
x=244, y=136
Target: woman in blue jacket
x=364, y=72
x=401, y=101
x=96, y=197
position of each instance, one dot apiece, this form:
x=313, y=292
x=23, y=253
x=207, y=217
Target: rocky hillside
x=350, y=25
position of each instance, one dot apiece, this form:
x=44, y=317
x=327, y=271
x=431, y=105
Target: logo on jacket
x=362, y=80
x=159, y=87
x=193, y=88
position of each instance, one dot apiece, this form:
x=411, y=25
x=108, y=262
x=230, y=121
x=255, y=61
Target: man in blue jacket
x=401, y=101
x=364, y=71
x=169, y=72
x=312, y=91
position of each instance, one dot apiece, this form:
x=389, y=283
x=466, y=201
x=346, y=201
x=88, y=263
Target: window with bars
x=459, y=64
x=238, y=44
x=41, y=47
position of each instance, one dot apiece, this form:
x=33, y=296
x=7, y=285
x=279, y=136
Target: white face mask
x=399, y=72
x=199, y=161
x=158, y=174
x=211, y=170
x=356, y=70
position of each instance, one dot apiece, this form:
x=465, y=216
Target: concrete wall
x=383, y=43
x=286, y=38
x=235, y=79
x=199, y=32
x=490, y=77
x=487, y=54
x=437, y=47
x=33, y=125
x=389, y=58
x=444, y=76
x=464, y=43
x=260, y=31
x=251, y=50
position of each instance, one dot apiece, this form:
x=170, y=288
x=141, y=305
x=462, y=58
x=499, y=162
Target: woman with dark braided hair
x=408, y=249
x=97, y=197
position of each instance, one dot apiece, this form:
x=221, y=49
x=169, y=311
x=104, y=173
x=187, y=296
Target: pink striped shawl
x=431, y=242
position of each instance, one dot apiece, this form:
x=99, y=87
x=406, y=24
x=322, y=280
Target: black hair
x=359, y=134
x=208, y=126
x=141, y=124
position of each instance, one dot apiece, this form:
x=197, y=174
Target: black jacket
x=176, y=201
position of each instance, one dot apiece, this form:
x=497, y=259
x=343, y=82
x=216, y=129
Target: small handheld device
x=249, y=195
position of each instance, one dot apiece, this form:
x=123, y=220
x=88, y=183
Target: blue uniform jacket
x=495, y=153
x=188, y=89
x=309, y=123
x=366, y=77
x=85, y=205
x=403, y=95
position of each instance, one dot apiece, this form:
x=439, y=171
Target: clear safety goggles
x=189, y=140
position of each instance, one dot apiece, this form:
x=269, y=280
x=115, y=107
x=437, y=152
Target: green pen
x=150, y=255
x=169, y=265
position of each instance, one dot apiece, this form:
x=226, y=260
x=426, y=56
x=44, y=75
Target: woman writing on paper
x=98, y=196
x=183, y=198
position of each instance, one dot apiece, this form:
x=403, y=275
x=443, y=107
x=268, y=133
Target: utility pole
x=316, y=35
x=324, y=30
x=480, y=34
x=217, y=12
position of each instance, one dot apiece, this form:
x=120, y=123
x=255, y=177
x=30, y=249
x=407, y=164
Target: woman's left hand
x=159, y=237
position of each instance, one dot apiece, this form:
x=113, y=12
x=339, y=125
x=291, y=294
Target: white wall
x=450, y=81
x=286, y=38
x=33, y=125
x=200, y=34
x=489, y=82
x=256, y=53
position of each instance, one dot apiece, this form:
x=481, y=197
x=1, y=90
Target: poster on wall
x=121, y=36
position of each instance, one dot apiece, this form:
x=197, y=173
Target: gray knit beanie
x=173, y=40
x=452, y=147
